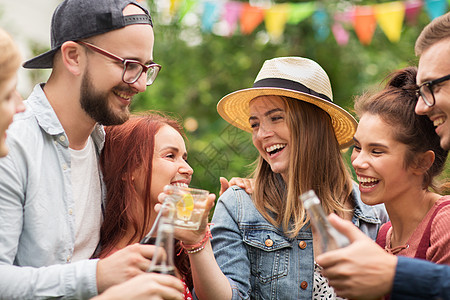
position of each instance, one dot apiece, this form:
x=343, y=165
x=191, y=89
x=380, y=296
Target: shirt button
x=68, y=259
x=269, y=243
x=302, y=245
x=64, y=166
x=304, y=285
x=70, y=211
x=62, y=138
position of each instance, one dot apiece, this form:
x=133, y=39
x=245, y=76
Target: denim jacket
x=259, y=261
x=37, y=223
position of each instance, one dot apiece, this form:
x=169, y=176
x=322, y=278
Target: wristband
x=199, y=246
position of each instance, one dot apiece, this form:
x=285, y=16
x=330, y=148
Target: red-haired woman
x=139, y=158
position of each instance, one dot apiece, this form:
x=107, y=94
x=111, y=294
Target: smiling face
x=104, y=96
x=169, y=162
x=271, y=135
x=379, y=162
x=434, y=63
x=10, y=103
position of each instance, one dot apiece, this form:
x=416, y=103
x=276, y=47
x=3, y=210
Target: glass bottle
x=162, y=261
x=329, y=237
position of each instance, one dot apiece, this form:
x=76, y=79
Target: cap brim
x=234, y=108
x=43, y=61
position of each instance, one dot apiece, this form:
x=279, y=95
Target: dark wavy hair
x=395, y=105
x=128, y=147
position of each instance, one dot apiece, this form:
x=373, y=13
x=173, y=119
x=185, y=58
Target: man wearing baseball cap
x=51, y=190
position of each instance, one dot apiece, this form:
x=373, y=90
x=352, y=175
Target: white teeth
x=275, y=147
x=438, y=121
x=180, y=184
x=124, y=96
x=366, y=179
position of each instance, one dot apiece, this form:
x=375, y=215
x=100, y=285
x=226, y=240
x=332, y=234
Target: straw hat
x=295, y=77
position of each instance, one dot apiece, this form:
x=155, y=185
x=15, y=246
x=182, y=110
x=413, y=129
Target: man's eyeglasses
x=132, y=69
x=426, y=90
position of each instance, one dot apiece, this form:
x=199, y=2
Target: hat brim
x=42, y=61
x=234, y=108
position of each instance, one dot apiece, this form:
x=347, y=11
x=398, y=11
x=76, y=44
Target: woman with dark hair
x=396, y=158
x=139, y=158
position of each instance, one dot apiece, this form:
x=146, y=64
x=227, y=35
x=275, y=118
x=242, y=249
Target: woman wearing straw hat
x=262, y=243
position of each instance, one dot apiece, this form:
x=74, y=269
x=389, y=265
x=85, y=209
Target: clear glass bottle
x=329, y=237
x=162, y=261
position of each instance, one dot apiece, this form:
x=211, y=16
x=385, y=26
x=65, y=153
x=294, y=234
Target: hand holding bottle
x=330, y=238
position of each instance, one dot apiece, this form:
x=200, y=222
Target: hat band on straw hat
x=290, y=85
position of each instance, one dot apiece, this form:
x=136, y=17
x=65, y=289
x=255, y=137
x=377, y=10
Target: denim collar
x=363, y=211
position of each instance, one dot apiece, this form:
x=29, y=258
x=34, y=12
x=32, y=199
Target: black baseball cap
x=74, y=20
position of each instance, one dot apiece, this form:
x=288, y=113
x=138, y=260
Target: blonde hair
x=316, y=163
x=10, y=58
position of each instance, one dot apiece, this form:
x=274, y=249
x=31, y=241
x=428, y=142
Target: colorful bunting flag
x=321, y=24
x=232, y=11
x=340, y=34
x=210, y=15
x=300, y=11
x=364, y=19
x=435, y=8
x=412, y=11
x=275, y=20
x=185, y=8
x=364, y=23
x=174, y=5
x=251, y=17
x=390, y=17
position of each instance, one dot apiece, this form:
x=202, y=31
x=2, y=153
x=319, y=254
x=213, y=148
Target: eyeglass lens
x=427, y=94
x=133, y=71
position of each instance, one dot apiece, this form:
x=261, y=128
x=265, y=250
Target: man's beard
x=96, y=105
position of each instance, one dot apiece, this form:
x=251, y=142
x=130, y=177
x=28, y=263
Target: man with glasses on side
x=365, y=271
x=51, y=188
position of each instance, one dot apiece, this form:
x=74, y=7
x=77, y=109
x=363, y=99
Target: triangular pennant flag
x=321, y=25
x=390, y=17
x=345, y=17
x=251, y=17
x=300, y=11
x=412, y=11
x=275, y=20
x=340, y=34
x=173, y=8
x=185, y=8
x=231, y=13
x=435, y=8
x=210, y=15
x=364, y=23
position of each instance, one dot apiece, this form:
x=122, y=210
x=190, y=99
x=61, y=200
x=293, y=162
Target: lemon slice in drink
x=185, y=207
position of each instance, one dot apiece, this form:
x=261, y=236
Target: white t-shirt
x=87, y=197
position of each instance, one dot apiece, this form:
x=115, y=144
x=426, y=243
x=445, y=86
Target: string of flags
x=243, y=17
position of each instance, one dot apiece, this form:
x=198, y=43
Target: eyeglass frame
x=429, y=84
x=124, y=61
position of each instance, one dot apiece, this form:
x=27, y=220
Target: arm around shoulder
x=431, y=282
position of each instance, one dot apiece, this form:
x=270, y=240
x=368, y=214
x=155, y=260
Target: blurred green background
x=199, y=68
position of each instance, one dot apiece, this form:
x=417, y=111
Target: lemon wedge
x=185, y=207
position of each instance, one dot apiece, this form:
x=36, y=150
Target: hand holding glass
x=188, y=204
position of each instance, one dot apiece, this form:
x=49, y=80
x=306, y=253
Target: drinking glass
x=188, y=206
